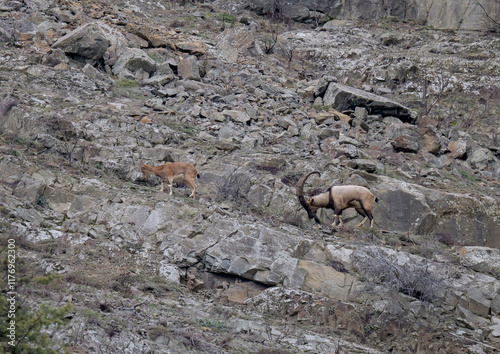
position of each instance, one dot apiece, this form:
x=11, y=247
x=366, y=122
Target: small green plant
x=126, y=83
x=469, y=176
x=213, y=325
x=183, y=127
x=29, y=334
x=227, y=18
x=128, y=88
x=46, y=279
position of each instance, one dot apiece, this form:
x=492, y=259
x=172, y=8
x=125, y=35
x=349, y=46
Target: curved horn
x=299, y=191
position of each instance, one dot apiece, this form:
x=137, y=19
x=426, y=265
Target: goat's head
x=145, y=171
x=308, y=205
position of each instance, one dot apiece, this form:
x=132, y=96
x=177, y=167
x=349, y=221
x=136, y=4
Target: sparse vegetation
x=416, y=281
x=469, y=176
x=128, y=88
x=150, y=272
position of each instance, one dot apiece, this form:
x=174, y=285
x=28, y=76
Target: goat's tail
x=198, y=175
x=376, y=200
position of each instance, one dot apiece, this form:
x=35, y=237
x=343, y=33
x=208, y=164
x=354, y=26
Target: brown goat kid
x=338, y=198
x=173, y=171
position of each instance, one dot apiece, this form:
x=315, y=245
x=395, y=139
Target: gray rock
x=55, y=57
x=405, y=143
x=29, y=189
x=363, y=164
x=343, y=97
x=446, y=14
x=169, y=272
x=430, y=140
x=466, y=219
x=481, y=259
x=101, y=80
x=237, y=116
x=87, y=42
x=457, y=149
x=189, y=69
x=401, y=207
x=133, y=60
x=480, y=158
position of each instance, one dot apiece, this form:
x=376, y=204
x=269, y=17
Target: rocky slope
x=92, y=89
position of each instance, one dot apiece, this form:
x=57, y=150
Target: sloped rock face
x=71, y=192
x=469, y=219
x=482, y=259
x=404, y=207
x=442, y=14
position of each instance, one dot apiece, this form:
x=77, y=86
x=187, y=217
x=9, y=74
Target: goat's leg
x=170, y=181
x=190, y=183
x=367, y=213
x=341, y=221
x=161, y=189
x=362, y=222
x=334, y=222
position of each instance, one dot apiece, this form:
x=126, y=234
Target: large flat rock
x=342, y=97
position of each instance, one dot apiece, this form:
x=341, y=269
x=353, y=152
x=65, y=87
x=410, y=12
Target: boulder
x=101, y=80
x=405, y=143
x=466, y=219
x=297, y=9
x=325, y=280
x=237, y=116
x=29, y=189
x=363, y=164
x=80, y=205
x=457, y=149
x=403, y=207
x=481, y=259
x=342, y=97
x=55, y=57
x=188, y=68
x=133, y=60
x=405, y=137
x=169, y=272
x=476, y=302
x=235, y=41
x=480, y=158
x=87, y=42
x=192, y=47
x=430, y=139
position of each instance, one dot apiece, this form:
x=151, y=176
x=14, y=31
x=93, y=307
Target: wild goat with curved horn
x=338, y=198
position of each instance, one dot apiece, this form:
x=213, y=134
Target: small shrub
x=412, y=280
x=226, y=17
x=213, y=324
x=46, y=279
x=234, y=187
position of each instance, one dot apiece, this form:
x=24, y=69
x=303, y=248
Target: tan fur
x=343, y=197
x=173, y=171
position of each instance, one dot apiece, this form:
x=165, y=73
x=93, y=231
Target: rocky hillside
x=105, y=262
